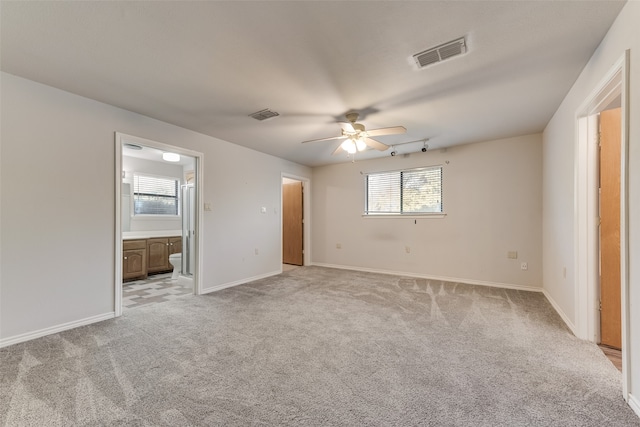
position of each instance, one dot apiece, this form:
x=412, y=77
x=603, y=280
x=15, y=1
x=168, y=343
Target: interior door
x=610, y=141
x=292, y=223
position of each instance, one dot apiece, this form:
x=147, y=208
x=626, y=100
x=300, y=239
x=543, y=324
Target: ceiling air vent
x=440, y=53
x=264, y=114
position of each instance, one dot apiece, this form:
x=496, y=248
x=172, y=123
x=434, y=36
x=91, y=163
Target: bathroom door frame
x=199, y=158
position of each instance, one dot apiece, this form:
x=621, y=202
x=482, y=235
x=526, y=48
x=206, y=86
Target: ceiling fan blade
x=375, y=144
x=325, y=139
x=337, y=150
x=387, y=131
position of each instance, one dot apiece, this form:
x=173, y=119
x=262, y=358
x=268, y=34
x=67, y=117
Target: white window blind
x=406, y=192
x=154, y=195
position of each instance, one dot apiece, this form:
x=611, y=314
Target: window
x=154, y=195
x=407, y=192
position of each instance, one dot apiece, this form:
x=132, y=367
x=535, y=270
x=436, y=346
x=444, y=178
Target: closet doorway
x=295, y=223
x=292, y=222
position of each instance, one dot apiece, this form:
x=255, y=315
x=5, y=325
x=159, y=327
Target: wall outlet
x=207, y=206
x=338, y=245
x=512, y=254
x=524, y=266
x=407, y=249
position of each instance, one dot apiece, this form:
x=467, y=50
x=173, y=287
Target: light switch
x=207, y=206
x=263, y=209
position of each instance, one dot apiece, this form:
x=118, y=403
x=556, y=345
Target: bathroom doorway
x=158, y=242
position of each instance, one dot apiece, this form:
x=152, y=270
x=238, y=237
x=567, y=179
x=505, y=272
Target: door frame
x=306, y=216
x=586, y=245
x=199, y=159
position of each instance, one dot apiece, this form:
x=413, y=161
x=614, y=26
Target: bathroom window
x=405, y=192
x=153, y=195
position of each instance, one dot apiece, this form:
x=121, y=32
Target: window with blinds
x=154, y=195
x=406, y=192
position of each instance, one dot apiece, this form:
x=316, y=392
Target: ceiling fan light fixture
x=349, y=146
x=360, y=144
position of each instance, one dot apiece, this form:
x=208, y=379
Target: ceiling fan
x=357, y=138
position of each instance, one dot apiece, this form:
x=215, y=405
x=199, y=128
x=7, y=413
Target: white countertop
x=130, y=235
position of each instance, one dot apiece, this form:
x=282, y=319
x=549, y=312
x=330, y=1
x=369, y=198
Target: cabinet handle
x=125, y=257
x=167, y=244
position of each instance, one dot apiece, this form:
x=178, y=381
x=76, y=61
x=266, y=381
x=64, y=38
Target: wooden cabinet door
x=157, y=255
x=134, y=263
x=175, y=245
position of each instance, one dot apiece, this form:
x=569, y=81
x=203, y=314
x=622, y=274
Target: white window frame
x=367, y=214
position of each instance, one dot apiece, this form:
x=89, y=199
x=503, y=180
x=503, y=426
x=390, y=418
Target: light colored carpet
x=318, y=346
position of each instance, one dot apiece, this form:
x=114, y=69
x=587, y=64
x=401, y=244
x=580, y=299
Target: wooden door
x=292, y=223
x=610, y=141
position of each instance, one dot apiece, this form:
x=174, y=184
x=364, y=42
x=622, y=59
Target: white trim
x=401, y=216
x=431, y=277
x=560, y=312
x=239, y=282
x=55, y=329
x=624, y=230
x=306, y=215
x=634, y=403
x=198, y=277
x=586, y=203
x=586, y=284
x=117, y=302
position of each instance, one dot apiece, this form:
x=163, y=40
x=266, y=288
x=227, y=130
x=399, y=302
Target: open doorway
x=295, y=224
x=601, y=248
x=157, y=222
x=292, y=222
x=609, y=236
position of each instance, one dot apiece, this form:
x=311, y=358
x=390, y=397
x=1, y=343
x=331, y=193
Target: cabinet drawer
x=134, y=244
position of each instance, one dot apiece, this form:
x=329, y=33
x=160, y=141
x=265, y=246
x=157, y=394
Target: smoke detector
x=440, y=53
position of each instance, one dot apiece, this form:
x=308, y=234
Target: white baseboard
x=564, y=317
x=431, y=277
x=634, y=403
x=238, y=282
x=5, y=342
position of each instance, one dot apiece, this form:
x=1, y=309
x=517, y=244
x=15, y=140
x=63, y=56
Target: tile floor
x=160, y=288
x=154, y=289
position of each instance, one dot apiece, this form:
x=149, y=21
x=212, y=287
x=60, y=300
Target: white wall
x=559, y=140
x=492, y=198
x=131, y=165
x=58, y=266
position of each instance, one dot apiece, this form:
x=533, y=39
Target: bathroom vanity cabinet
x=134, y=259
x=148, y=256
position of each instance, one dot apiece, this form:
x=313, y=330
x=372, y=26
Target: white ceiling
x=207, y=65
